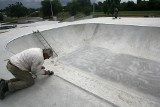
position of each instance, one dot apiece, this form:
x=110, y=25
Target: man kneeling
x=25, y=66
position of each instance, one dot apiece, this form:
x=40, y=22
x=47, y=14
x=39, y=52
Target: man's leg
x=116, y=16
x=23, y=79
x=3, y=88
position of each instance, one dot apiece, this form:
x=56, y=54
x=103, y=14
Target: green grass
x=9, y=19
x=140, y=13
x=65, y=15
x=131, y=14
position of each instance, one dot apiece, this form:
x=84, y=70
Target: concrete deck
x=101, y=63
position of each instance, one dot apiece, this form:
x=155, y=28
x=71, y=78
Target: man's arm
x=38, y=69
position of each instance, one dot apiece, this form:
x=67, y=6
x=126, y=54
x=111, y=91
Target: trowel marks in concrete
x=124, y=54
x=136, y=73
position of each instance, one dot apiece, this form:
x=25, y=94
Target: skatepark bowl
x=118, y=63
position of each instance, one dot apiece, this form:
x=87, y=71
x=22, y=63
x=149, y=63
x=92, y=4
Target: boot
x=3, y=88
x=1, y=80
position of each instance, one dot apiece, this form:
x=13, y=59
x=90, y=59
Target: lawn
x=132, y=14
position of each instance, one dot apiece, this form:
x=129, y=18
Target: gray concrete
x=48, y=92
x=58, y=93
x=116, y=64
x=133, y=40
x=136, y=73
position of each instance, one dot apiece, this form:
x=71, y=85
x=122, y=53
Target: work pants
x=23, y=79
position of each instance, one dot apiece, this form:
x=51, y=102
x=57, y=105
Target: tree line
x=16, y=10
x=108, y=6
x=74, y=6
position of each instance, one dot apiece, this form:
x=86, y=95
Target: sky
x=37, y=4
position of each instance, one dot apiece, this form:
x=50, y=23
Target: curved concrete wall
x=22, y=43
x=133, y=40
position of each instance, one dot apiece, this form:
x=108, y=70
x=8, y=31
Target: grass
x=65, y=15
x=131, y=14
x=140, y=13
x=9, y=19
x=121, y=14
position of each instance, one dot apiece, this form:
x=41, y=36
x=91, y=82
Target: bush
x=1, y=17
x=87, y=11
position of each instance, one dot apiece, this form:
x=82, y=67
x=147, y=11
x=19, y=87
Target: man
x=116, y=13
x=25, y=66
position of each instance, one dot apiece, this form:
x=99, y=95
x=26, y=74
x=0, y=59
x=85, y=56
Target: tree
x=105, y=7
x=56, y=7
x=142, y=6
x=32, y=12
x=157, y=6
x=16, y=10
x=131, y=6
x=138, y=1
x=85, y=6
x=73, y=7
x=99, y=6
x=1, y=17
x=87, y=10
x=123, y=6
x=46, y=7
x=154, y=5
x=110, y=5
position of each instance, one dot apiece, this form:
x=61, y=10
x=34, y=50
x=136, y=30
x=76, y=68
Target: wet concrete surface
x=53, y=92
x=136, y=73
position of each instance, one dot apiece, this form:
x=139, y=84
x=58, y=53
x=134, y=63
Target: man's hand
x=49, y=72
x=42, y=67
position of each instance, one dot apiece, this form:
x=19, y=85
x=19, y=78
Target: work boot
x=3, y=88
x=1, y=80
